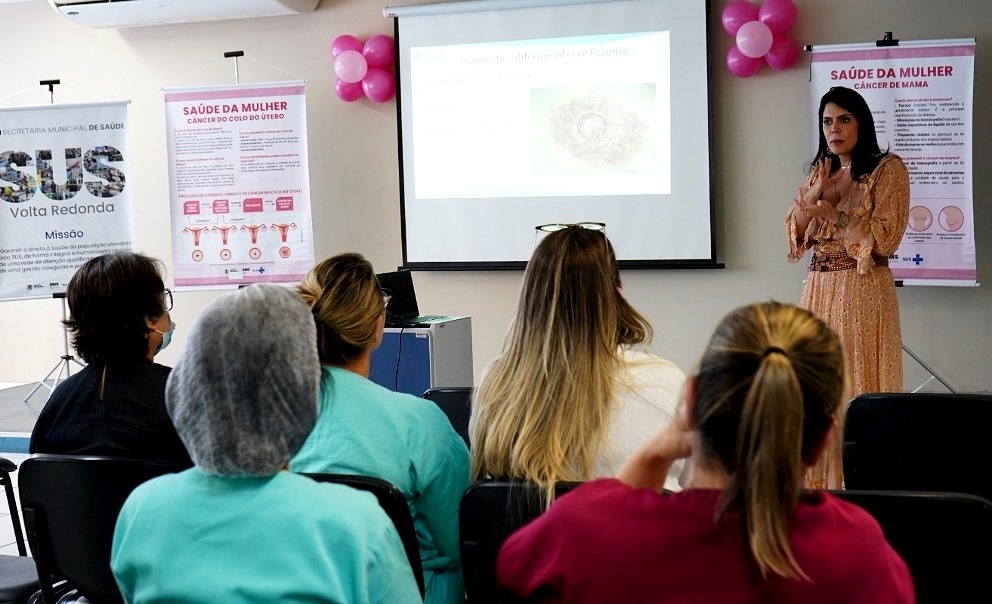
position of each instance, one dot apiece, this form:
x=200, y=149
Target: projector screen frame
x=700, y=262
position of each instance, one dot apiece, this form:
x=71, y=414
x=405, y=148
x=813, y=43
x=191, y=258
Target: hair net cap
x=243, y=397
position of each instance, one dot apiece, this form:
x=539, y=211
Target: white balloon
x=754, y=39
x=350, y=66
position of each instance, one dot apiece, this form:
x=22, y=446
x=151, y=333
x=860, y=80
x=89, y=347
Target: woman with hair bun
x=366, y=429
x=759, y=411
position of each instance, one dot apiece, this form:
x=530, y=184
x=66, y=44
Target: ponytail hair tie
x=772, y=349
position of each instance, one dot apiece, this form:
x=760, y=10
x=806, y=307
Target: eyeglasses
x=560, y=226
x=168, y=299
x=387, y=295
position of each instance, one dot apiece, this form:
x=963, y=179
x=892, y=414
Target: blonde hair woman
x=759, y=412
x=570, y=397
x=366, y=429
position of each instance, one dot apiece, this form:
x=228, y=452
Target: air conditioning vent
x=140, y=13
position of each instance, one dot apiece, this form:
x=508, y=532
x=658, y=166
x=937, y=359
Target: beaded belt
x=839, y=261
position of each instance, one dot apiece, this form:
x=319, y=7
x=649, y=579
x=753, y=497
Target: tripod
x=64, y=364
x=933, y=374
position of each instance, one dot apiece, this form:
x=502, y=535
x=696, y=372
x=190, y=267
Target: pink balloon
x=738, y=13
x=343, y=43
x=379, y=85
x=778, y=15
x=348, y=92
x=350, y=66
x=783, y=54
x=740, y=65
x=379, y=51
x=754, y=39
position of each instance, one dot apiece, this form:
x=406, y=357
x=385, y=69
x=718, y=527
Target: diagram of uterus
x=196, y=233
x=253, y=230
x=284, y=230
x=224, y=230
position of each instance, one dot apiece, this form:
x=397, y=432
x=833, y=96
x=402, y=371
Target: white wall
x=759, y=138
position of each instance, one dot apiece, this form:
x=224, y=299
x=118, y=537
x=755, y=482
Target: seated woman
x=237, y=527
x=572, y=395
x=118, y=320
x=759, y=412
x=366, y=429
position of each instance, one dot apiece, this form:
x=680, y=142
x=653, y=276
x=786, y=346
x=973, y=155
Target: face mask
x=166, y=336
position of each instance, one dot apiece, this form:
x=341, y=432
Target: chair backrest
x=456, y=402
x=945, y=539
x=489, y=512
x=70, y=505
x=391, y=500
x=18, y=575
x=6, y=467
x=919, y=442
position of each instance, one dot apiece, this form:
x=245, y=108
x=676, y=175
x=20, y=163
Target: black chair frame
x=18, y=575
x=392, y=501
x=70, y=505
x=944, y=538
x=489, y=512
x=918, y=442
x=456, y=402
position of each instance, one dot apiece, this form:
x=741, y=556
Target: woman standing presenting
x=852, y=211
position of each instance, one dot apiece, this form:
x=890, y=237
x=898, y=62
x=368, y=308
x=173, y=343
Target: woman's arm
x=443, y=475
x=807, y=205
x=649, y=466
x=890, y=212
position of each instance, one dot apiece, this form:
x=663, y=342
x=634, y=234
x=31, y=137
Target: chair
x=945, y=539
x=456, y=402
x=491, y=510
x=919, y=442
x=18, y=575
x=394, y=504
x=70, y=505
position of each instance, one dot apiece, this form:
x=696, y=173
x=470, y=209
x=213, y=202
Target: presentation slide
x=566, y=116
x=519, y=114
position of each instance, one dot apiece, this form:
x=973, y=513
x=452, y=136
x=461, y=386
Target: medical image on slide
x=594, y=130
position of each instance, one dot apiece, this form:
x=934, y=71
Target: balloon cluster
x=760, y=36
x=363, y=68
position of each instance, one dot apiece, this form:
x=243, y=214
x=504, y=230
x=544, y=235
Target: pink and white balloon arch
x=760, y=36
x=363, y=68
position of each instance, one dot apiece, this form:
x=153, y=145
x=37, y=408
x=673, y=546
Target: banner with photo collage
x=920, y=94
x=64, y=195
x=239, y=184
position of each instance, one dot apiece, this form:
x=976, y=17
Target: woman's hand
x=809, y=199
x=648, y=467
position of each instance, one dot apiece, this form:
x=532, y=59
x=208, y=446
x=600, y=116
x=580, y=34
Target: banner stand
x=64, y=364
x=933, y=374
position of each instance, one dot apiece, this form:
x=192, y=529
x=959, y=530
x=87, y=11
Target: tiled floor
x=7, y=543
